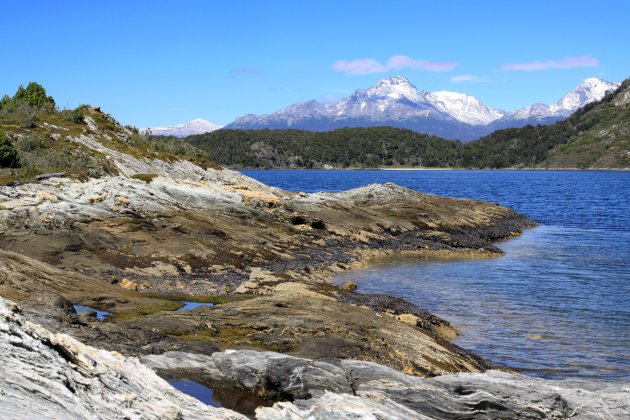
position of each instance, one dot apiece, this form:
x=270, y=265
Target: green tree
x=6, y=103
x=34, y=95
x=9, y=157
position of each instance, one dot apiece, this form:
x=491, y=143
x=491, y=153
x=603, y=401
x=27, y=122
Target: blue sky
x=164, y=62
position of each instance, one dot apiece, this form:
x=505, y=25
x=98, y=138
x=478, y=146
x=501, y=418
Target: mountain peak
x=394, y=80
x=593, y=81
x=591, y=89
x=464, y=108
x=396, y=87
x=196, y=126
x=396, y=101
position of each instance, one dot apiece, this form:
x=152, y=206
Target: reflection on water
x=553, y=306
x=192, y=305
x=98, y=314
x=235, y=399
x=194, y=389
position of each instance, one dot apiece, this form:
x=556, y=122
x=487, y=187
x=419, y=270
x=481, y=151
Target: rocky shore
x=161, y=232
x=51, y=375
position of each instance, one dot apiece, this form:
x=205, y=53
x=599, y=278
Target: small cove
x=557, y=305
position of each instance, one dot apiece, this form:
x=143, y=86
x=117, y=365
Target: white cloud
x=400, y=62
x=362, y=66
x=467, y=78
x=564, y=63
x=395, y=62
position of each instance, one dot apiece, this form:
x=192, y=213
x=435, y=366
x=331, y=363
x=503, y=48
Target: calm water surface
x=557, y=305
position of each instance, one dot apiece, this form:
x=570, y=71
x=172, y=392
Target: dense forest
x=345, y=147
x=597, y=135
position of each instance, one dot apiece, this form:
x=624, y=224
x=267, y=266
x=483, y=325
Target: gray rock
x=53, y=299
x=339, y=407
x=50, y=175
x=47, y=375
x=274, y=375
x=358, y=389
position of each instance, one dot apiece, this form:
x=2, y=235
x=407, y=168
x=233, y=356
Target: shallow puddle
x=196, y=390
x=234, y=399
x=192, y=305
x=99, y=314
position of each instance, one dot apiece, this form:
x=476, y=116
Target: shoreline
x=278, y=258
x=440, y=169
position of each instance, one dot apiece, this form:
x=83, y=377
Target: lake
x=557, y=305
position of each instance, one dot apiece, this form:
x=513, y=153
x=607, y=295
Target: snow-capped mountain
x=196, y=126
x=396, y=101
x=464, y=108
x=590, y=90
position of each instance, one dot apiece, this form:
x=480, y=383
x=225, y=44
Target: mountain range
x=397, y=102
x=595, y=136
x=196, y=126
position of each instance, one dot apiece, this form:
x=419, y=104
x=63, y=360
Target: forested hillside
x=595, y=136
x=36, y=137
x=345, y=147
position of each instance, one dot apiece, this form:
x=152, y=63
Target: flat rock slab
x=358, y=389
x=316, y=328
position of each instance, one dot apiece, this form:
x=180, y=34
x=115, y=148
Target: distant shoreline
x=436, y=169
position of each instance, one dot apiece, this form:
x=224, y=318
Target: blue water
x=557, y=305
x=192, y=305
x=99, y=314
x=196, y=390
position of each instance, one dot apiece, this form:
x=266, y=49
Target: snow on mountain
x=196, y=126
x=396, y=88
x=391, y=99
x=464, y=108
x=535, y=111
x=590, y=90
x=396, y=101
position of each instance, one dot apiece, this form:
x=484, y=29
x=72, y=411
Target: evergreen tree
x=9, y=157
x=33, y=95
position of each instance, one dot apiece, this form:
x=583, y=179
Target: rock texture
x=318, y=328
x=47, y=375
x=136, y=248
x=373, y=390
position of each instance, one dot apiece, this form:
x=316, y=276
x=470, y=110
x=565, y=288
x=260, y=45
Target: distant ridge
x=196, y=126
x=594, y=136
x=397, y=102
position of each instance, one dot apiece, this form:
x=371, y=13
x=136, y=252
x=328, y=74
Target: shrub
x=9, y=156
x=73, y=116
x=30, y=142
x=28, y=121
x=145, y=177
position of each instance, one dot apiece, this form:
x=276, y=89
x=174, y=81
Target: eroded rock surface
x=47, y=375
x=317, y=328
x=209, y=233
x=372, y=390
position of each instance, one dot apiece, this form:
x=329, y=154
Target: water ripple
x=557, y=305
